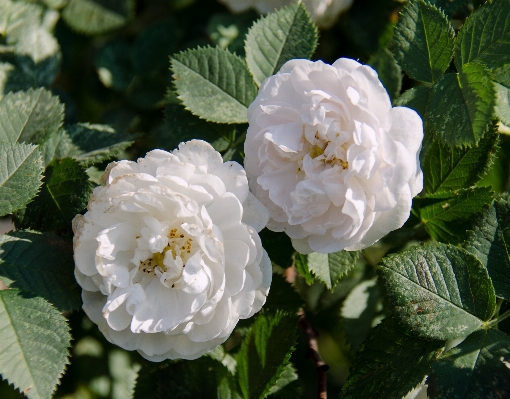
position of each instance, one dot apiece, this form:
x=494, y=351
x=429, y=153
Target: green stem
x=499, y=318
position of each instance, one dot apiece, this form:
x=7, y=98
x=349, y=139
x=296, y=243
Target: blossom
x=323, y=12
x=334, y=163
x=168, y=254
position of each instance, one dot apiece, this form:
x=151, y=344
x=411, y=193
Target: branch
x=313, y=351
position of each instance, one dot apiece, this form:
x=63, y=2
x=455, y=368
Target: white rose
x=168, y=254
x=323, y=12
x=334, y=163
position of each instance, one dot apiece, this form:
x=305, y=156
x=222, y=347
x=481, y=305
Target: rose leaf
x=286, y=34
x=490, y=242
x=34, y=338
x=438, y=291
x=476, y=368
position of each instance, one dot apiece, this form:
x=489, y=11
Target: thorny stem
x=313, y=351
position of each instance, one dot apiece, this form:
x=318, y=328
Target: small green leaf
x=461, y=106
x=501, y=79
x=475, y=369
x=20, y=176
x=389, y=364
x=423, y=41
x=361, y=311
x=114, y=66
x=37, y=57
x=485, y=37
x=65, y=193
x=447, y=216
x=277, y=38
x=451, y=168
x=289, y=374
x=97, y=143
x=265, y=353
x=88, y=144
x=330, y=268
x=16, y=17
x=94, y=17
x=388, y=70
x=438, y=291
x=34, y=338
x=29, y=116
x=42, y=264
x=490, y=243
x=301, y=264
x=214, y=84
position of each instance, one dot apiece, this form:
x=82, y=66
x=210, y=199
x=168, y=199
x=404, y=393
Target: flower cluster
x=168, y=254
x=323, y=12
x=334, y=163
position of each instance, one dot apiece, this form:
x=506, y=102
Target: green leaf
x=34, y=338
x=416, y=98
x=485, y=37
x=423, y=41
x=490, y=243
x=301, y=264
x=461, y=106
x=31, y=60
x=277, y=38
x=42, y=264
x=97, y=143
x=65, y=193
x=29, y=116
x=265, y=353
x=330, y=268
x=289, y=374
x=388, y=70
x=361, y=311
x=438, y=291
x=448, y=215
x=16, y=17
x=88, y=144
x=501, y=79
x=93, y=17
x=214, y=84
x=114, y=66
x=389, y=364
x=476, y=369
x=451, y=168
x=20, y=176
x=201, y=378
x=154, y=45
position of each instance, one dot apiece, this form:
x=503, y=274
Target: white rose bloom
x=168, y=254
x=334, y=163
x=323, y=12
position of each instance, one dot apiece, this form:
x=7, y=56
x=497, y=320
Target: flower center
x=318, y=150
x=179, y=245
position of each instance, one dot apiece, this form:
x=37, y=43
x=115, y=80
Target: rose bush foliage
x=168, y=254
x=330, y=158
